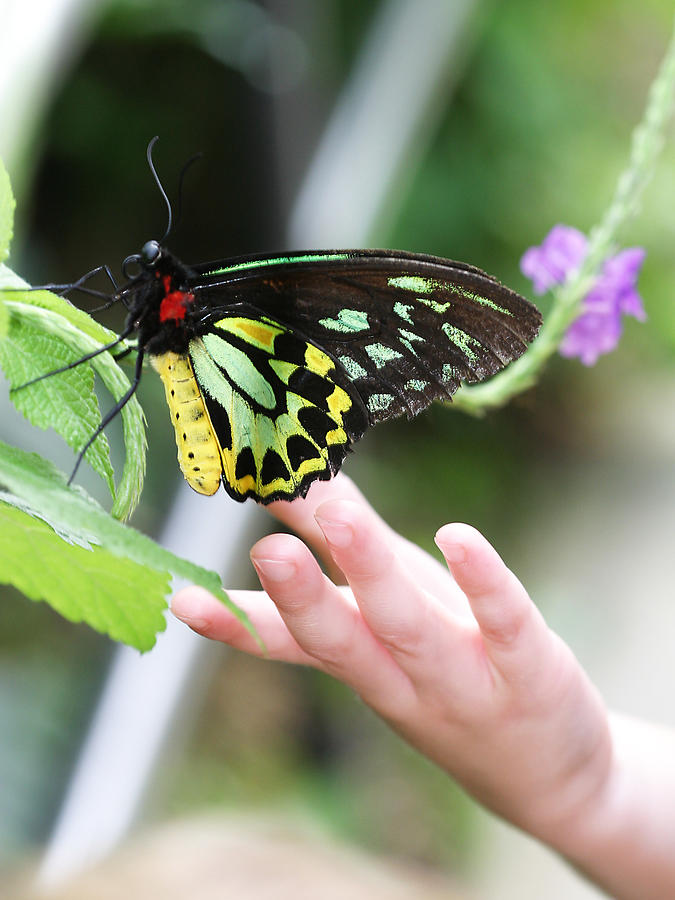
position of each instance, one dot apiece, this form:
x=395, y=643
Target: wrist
x=623, y=835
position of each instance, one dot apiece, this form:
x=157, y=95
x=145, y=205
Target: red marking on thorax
x=174, y=304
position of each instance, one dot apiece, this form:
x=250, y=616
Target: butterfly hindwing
x=405, y=328
x=284, y=414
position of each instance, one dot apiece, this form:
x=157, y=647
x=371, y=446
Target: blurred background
x=464, y=129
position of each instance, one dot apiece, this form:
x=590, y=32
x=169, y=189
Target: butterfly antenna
x=181, y=179
x=159, y=185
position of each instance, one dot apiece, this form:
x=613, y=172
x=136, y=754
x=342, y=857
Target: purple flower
x=598, y=328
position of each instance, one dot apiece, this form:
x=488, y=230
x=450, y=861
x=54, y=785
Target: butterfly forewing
x=406, y=329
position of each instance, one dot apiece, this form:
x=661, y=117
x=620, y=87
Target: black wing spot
x=316, y=423
x=246, y=465
x=191, y=455
x=311, y=386
x=290, y=347
x=299, y=449
x=336, y=455
x=273, y=467
x=219, y=420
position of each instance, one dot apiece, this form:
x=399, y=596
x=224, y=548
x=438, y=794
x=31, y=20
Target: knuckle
x=507, y=630
x=371, y=567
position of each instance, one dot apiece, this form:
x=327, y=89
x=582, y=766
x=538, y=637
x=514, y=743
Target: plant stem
x=646, y=143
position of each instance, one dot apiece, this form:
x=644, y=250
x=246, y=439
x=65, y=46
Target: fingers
x=300, y=516
x=416, y=628
x=311, y=621
x=392, y=633
x=323, y=619
x=514, y=633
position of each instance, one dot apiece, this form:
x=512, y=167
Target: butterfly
x=275, y=365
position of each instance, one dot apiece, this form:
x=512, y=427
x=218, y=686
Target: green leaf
x=65, y=402
x=40, y=486
x=4, y=318
x=115, y=596
x=6, y=228
x=6, y=213
x=55, y=316
x=79, y=539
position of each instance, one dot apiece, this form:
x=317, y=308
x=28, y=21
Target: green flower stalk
x=647, y=141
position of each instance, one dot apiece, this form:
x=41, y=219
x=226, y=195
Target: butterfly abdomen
x=198, y=451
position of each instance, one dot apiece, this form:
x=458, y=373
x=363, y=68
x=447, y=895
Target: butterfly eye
x=150, y=252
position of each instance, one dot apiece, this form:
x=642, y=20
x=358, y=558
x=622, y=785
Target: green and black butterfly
x=273, y=365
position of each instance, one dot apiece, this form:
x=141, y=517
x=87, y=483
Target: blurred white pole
x=383, y=121
x=142, y=697
x=38, y=39
x=396, y=84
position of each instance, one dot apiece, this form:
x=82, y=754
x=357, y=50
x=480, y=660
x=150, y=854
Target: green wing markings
x=407, y=338
x=463, y=341
x=241, y=369
x=479, y=298
x=380, y=402
x=283, y=370
x=276, y=261
x=352, y=368
x=347, y=320
x=415, y=384
x=416, y=283
x=381, y=354
x=403, y=310
x=435, y=305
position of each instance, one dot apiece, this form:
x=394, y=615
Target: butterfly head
x=149, y=256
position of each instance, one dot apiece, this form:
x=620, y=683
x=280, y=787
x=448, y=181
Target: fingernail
x=194, y=622
x=453, y=553
x=199, y=623
x=338, y=534
x=273, y=569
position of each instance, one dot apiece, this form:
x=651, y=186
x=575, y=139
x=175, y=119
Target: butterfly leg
x=79, y=284
x=123, y=353
x=110, y=415
x=127, y=331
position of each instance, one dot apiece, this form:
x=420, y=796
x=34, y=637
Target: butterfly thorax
x=161, y=305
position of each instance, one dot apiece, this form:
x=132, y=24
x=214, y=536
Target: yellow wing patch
x=318, y=361
x=258, y=333
x=198, y=450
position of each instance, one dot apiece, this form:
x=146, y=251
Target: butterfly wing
x=283, y=412
x=405, y=328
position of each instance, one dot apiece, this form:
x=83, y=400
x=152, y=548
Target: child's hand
x=460, y=663
x=463, y=666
